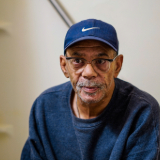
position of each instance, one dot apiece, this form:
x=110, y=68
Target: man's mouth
x=90, y=89
x=88, y=86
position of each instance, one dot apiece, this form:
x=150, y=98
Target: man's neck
x=90, y=110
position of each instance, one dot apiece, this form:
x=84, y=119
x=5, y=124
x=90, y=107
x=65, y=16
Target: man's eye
x=77, y=60
x=100, y=61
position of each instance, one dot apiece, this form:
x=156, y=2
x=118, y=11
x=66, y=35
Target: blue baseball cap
x=92, y=29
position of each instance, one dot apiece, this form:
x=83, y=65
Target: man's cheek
x=74, y=82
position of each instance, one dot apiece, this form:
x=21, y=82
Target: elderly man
x=95, y=116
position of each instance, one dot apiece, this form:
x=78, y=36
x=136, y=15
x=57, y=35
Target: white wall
x=30, y=49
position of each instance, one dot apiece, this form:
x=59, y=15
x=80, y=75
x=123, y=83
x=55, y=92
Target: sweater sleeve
x=35, y=146
x=143, y=142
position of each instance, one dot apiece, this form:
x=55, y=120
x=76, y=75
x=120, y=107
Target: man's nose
x=89, y=72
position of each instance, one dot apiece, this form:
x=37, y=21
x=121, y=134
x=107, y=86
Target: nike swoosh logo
x=83, y=29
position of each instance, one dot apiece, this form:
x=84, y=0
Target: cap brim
x=91, y=38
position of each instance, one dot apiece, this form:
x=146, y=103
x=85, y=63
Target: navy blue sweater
x=128, y=128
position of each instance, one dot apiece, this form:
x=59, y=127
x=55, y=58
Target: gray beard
x=90, y=83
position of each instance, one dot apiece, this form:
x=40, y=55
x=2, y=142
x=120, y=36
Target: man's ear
x=118, y=65
x=64, y=66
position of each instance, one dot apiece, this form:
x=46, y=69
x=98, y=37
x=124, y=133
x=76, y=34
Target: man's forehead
x=95, y=47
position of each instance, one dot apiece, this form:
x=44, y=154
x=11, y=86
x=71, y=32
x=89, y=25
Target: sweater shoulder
x=59, y=89
x=129, y=90
x=53, y=99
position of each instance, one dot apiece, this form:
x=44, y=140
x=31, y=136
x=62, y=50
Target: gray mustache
x=88, y=83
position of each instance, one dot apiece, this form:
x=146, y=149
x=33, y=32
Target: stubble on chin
x=90, y=97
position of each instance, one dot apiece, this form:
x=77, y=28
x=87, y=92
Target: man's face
x=91, y=86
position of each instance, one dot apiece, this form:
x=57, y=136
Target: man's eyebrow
x=77, y=54
x=102, y=54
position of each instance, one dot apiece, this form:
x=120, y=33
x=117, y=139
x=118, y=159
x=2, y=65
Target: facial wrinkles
x=101, y=48
x=90, y=51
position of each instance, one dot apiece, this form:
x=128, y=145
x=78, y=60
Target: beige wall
x=137, y=24
x=32, y=41
x=30, y=45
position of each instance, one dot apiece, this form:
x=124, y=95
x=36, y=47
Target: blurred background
x=31, y=41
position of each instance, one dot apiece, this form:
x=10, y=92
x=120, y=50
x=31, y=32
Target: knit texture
x=127, y=129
